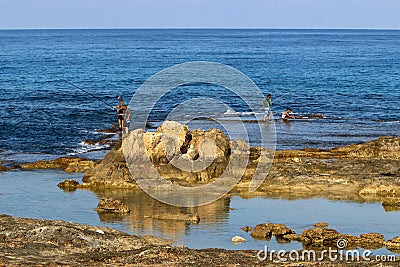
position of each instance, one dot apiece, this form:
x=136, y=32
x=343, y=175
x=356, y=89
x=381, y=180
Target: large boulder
x=173, y=152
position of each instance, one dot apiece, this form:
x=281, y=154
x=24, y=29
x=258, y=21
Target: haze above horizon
x=142, y=14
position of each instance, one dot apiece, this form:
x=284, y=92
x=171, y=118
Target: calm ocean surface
x=350, y=76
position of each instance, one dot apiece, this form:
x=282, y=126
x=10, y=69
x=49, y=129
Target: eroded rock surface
x=112, y=205
x=362, y=172
x=68, y=164
x=267, y=230
x=32, y=242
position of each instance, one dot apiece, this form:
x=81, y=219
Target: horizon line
x=196, y=28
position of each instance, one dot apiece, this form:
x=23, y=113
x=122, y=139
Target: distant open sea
x=350, y=76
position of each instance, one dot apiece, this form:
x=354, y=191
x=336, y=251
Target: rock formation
x=68, y=185
x=32, y=242
x=176, y=153
x=68, y=164
x=112, y=205
x=369, y=171
x=266, y=231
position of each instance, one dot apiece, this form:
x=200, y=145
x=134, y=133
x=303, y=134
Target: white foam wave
x=244, y=113
x=85, y=147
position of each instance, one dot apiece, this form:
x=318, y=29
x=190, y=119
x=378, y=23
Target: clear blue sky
x=200, y=14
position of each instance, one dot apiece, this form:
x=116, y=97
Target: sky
x=304, y=14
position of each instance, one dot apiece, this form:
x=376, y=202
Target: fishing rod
x=276, y=99
x=77, y=87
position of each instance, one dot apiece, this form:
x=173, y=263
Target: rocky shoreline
x=368, y=172
x=361, y=172
x=32, y=242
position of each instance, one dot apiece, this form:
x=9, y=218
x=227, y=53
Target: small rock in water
x=321, y=224
x=246, y=228
x=112, y=205
x=238, y=239
x=68, y=185
x=266, y=230
x=3, y=168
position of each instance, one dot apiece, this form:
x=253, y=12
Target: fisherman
x=286, y=115
x=121, y=110
x=267, y=103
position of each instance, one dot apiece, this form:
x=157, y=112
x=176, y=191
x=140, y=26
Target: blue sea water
x=350, y=76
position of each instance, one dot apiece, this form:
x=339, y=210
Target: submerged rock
x=3, y=168
x=112, y=205
x=246, y=228
x=177, y=217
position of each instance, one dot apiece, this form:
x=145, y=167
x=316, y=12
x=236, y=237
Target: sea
x=57, y=89
x=352, y=77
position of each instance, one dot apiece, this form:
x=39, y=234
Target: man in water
x=286, y=115
x=267, y=103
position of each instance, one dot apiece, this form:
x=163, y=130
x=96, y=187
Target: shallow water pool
x=35, y=194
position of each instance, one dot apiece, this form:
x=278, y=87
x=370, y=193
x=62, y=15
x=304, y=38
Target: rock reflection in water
x=144, y=208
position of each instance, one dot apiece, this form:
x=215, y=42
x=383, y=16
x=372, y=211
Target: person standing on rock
x=267, y=103
x=121, y=110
